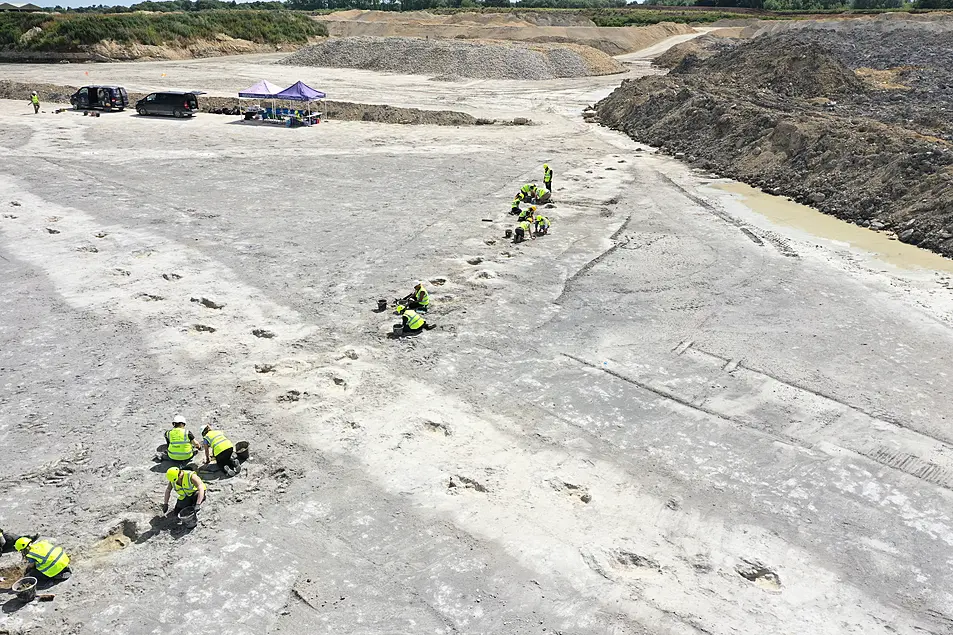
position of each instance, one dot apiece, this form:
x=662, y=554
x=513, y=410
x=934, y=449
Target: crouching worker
x=418, y=299
x=541, y=195
x=529, y=214
x=412, y=321
x=542, y=225
x=521, y=231
x=515, y=205
x=46, y=559
x=180, y=441
x=218, y=446
x=188, y=487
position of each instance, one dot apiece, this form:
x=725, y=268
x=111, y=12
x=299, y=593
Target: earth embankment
x=518, y=27
x=450, y=59
x=46, y=37
x=852, y=119
x=340, y=110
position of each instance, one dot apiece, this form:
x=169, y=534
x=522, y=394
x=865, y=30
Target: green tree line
x=70, y=31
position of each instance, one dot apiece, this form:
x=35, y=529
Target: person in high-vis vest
x=541, y=195
x=218, y=446
x=418, y=299
x=522, y=231
x=413, y=322
x=527, y=191
x=515, y=205
x=528, y=214
x=542, y=225
x=45, y=559
x=35, y=100
x=181, y=442
x=188, y=487
x=548, y=177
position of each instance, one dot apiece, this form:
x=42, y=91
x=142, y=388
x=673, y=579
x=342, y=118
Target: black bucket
x=25, y=588
x=241, y=450
x=188, y=518
x=382, y=305
x=508, y=233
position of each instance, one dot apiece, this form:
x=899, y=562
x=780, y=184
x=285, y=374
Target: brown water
x=785, y=212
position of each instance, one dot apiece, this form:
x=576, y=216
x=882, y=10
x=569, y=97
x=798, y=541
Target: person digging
x=47, y=561
x=522, y=231
x=218, y=446
x=418, y=299
x=188, y=487
x=528, y=214
x=413, y=322
x=542, y=225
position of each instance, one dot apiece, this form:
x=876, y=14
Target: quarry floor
x=672, y=415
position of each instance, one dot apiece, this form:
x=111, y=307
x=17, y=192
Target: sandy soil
x=669, y=416
x=528, y=28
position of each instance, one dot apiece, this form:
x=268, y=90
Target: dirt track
x=671, y=415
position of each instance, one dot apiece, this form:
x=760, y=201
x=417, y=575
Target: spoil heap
x=449, y=58
x=788, y=114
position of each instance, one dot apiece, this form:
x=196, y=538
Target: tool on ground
x=46, y=597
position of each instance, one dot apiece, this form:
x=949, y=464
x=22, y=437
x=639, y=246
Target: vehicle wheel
x=141, y=111
x=177, y=114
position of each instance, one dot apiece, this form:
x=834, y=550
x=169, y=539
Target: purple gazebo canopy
x=299, y=91
x=262, y=90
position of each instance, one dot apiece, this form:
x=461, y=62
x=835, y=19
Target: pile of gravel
x=452, y=58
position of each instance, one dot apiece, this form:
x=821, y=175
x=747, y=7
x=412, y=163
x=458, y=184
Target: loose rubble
x=817, y=115
x=449, y=59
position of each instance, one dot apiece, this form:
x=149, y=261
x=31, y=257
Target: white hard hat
x=34, y=92
x=178, y=419
x=417, y=283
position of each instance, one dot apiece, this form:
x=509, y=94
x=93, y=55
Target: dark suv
x=172, y=103
x=105, y=97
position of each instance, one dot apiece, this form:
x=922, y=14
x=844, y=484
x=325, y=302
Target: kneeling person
x=218, y=446
x=521, y=231
x=45, y=558
x=542, y=225
x=542, y=195
x=188, y=487
x=413, y=322
x=180, y=441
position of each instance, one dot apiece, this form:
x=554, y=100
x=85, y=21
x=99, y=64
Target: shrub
x=70, y=31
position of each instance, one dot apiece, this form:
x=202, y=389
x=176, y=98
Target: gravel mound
x=795, y=114
x=449, y=58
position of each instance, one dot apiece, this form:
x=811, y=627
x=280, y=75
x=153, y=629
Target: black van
x=173, y=103
x=105, y=97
